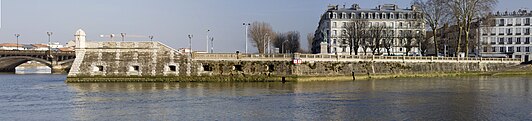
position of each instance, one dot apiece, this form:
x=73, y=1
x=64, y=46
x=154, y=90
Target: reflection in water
x=484, y=98
x=37, y=97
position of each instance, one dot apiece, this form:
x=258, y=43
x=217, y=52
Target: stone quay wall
x=156, y=62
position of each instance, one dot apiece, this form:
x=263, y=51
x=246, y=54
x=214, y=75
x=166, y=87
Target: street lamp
x=190, y=36
x=151, y=38
x=207, y=43
x=17, y=35
x=212, y=44
x=49, y=42
x=282, y=47
x=247, y=25
x=123, y=36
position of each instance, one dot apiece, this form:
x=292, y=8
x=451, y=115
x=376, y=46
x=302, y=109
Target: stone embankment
x=156, y=62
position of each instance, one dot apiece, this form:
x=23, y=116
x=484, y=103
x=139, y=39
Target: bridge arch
x=8, y=64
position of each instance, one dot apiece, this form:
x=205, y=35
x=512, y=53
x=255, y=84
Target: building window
x=501, y=31
x=344, y=24
x=527, y=21
x=527, y=31
x=335, y=15
x=518, y=40
x=501, y=41
x=501, y=22
x=518, y=21
x=510, y=40
x=493, y=40
x=527, y=40
x=485, y=49
x=518, y=31
x=510, y=49
x=335, y=33
x=510, y=22
x=493, y=49
x=518, y=49
x=334, y=25
x=344, y=15
x=501, y=49
x=527, y=49
x=509, y=31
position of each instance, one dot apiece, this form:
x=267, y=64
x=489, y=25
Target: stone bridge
x=59, y=62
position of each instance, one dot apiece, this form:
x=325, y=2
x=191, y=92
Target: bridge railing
x=324, y=57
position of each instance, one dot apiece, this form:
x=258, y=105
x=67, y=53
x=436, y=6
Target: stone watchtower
x=80, y=39
x=80, y=51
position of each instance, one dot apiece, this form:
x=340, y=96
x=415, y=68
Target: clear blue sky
x=170, y=21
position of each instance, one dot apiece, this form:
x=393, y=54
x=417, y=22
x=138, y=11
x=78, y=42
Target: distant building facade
x=11, y=46
x=507, y=35
x=330, y=34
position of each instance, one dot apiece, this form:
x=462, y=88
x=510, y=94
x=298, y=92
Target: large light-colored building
x=507, y=34
x=332, y=27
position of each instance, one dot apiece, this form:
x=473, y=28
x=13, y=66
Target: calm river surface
x=47, y=97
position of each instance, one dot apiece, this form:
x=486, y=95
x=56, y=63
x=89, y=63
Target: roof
x=39, y=45
x=66, y=49
x=10, y=45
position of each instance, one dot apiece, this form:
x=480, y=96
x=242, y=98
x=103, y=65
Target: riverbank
x=524, y=70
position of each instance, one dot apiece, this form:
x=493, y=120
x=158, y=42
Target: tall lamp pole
x=190, y=36
x=207, y=43
x=49, y=42
x=212, y=44
x=123, y=36
x=247, y=25
x=17, y=35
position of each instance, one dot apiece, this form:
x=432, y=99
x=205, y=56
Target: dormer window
x=353, y=15
x=335, y=15
x=344, y=15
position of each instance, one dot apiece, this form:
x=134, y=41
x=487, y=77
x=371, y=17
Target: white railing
x=322, y=57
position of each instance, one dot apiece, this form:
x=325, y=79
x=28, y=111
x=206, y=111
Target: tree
x=355, y=33
x=464, y=13
x=310, y=40
x=287, y=42
x=388, y=38
x=260, y=33
x=376, y=36
x=407, y=38
x=435, y=13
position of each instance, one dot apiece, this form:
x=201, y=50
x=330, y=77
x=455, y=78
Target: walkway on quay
x=346, y=58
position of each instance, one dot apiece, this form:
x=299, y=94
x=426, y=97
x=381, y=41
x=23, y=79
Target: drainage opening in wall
x=271, y=68
x=99, y=68
x=238, y=68
x=207, y=67
x=172, y=68
x=135, y=68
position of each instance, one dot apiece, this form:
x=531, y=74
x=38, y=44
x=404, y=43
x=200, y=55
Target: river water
x=47, y=97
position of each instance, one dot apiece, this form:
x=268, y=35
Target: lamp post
x=207, y=43
x=151, y=38
x=212, y=44
x=282, y=47
x=123, y=36
x=49, y=42
x=190, y=36
x=247, y=25
x=17, y=35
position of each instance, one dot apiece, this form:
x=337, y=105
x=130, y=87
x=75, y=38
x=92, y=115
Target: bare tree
x=408, y=40
x=260, y=32
x=310, y=40
x=376, y=36
x=287, y=42
x=388, y=38
x=435, y=13
x=355, y=33
x=465, y=12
